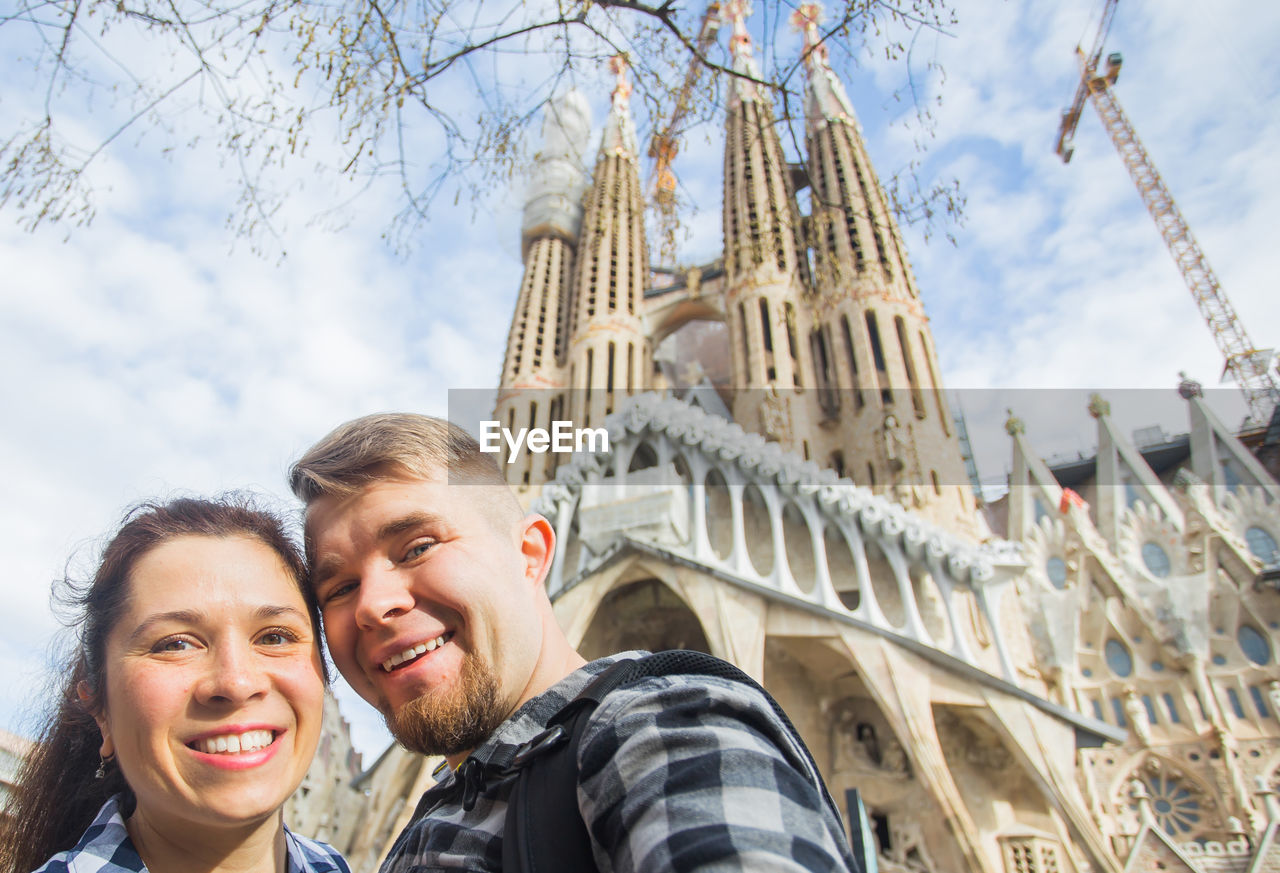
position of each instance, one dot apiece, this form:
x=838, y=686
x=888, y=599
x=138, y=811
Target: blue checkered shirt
x=676, y=773
x=106, y=848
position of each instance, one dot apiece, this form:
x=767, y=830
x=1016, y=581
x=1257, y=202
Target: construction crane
x=665, y=143
x=1248, y=365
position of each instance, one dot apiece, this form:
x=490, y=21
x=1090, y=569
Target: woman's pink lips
x=239, y=760
x=228, y=729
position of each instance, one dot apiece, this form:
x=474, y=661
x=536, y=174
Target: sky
x=152, y=353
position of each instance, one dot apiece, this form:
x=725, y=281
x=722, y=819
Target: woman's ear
x=89, y=701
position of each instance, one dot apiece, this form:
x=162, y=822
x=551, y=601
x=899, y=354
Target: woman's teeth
x=231, y=744
x=414, y=651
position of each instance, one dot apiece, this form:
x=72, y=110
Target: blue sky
x=152, y=353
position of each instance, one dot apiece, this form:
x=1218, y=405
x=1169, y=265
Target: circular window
x=1263, y=545
x=1056, y=568
x=1118, y=658
x=1158, y=666
x=1156, y=559
x=1177, y=809
x=1253, y=644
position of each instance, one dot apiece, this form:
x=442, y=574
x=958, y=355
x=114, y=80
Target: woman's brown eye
x=277, y=638
x=176, y=644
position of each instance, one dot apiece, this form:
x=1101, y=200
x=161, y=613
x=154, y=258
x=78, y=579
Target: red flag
x=1069, y=499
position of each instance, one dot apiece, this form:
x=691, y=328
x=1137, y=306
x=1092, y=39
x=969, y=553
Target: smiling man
x=430, y=582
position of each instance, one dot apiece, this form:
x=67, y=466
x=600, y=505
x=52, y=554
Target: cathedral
x=1080, y=677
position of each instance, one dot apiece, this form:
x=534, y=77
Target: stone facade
x=1076, y=679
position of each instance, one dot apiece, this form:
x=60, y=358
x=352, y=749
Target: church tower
x=764, y=256
x=874, y=362
x=531, y=391
x=608, y=354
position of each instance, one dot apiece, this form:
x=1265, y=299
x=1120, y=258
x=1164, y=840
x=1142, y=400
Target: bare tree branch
x=366, y=89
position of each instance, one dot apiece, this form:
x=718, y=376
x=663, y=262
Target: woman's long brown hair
x=57, y=792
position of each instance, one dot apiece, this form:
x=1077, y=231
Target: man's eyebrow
x=397, y=526
x=328, y=566
x=324, y=569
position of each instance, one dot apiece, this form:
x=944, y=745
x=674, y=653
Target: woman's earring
x=102, y=767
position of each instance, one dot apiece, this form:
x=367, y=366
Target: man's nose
x=235, y=675
x=384, y=594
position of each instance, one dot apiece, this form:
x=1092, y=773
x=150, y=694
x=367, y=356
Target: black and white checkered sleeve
x=685, y=773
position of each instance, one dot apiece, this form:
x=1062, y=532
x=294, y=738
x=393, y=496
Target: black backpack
x=544, y=832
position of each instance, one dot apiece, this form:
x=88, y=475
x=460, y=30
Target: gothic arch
x=644, y=613
x=854, y=742
x=984, y=766
x=683, y=313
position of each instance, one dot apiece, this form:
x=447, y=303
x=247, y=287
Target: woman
x=190, y=711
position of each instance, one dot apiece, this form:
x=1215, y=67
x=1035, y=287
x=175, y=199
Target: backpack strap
x=544, y=831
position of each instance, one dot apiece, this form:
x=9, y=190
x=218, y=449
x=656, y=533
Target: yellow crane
x=665, y=143
x=1247, y=364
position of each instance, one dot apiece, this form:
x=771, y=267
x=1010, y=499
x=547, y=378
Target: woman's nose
x=235, y=674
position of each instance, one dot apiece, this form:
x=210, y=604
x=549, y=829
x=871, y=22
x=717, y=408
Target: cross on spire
x=622, y=90
x=805, y=19
x=736, y=12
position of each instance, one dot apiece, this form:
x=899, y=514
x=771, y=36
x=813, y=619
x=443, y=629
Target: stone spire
x=736, y=13
x=531, y=373
x=855, y=233
x=825, y=97
x=608, y=355
x=552, y=221
x=763, y=252
x=619, y=129
x=875, y=367
x=553, y=202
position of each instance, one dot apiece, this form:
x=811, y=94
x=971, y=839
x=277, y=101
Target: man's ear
x=537, y=548
x=90, y=702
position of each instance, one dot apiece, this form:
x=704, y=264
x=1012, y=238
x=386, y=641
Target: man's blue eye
x=337, y=591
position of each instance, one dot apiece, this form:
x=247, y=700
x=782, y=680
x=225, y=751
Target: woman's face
x=213, y=688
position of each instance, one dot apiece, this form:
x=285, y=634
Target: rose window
x=1177, y=810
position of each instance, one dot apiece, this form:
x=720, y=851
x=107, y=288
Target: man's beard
x=450, y=721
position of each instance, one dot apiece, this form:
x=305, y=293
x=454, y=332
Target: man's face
x=428, y=603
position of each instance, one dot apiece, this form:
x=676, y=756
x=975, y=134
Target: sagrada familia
x=1080, y=677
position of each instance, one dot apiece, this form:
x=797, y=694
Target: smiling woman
x=191, y=709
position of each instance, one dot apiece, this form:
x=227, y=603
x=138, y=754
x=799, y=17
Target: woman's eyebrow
x=181, y=616
x=273, y=611
x=188, y=616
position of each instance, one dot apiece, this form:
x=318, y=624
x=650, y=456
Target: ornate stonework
x=1086, y=680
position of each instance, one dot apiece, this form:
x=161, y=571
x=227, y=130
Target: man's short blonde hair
x=390, y=445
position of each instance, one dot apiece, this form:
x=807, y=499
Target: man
x=430, y=582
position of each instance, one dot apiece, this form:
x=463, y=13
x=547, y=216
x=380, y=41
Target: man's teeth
x=413, y=652
x=249, y=741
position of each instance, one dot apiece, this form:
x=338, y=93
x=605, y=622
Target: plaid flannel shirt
x=678, y=773
x=105, y=847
